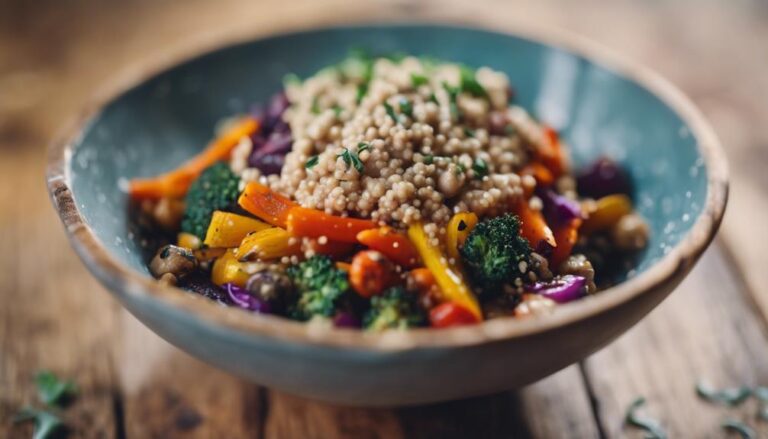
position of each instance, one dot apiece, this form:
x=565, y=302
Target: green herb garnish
x=291, y=79
x=468, y=132
x=315, y=105
x=730, y=397
x=433, y=98
x=460, y=168
x=352, y=159
x=46, y=424
x=362, y=146
x=470, y=85
x=390, y=111
x=741, y=428
x=652, y=427
x=418, y=80
x=480, y=168
x=761, y=393
x=396, y=57
x=52, y=390
x=453, y=95
x=337, y=109
x=406, y=107
x=311, y=162
x=429, y=159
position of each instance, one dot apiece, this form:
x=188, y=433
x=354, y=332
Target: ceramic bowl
x=602, y=104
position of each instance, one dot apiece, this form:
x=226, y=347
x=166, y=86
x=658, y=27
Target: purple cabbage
x=242, y=298
x=558, y=209
x=562, y=289
x=344, y=319
x=273, y=140
x=601, y=178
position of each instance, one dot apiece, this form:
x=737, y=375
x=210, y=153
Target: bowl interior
x=171, y=116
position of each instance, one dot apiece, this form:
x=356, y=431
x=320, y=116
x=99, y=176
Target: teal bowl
x=602, y=104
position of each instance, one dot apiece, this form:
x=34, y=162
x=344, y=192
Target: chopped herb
x=433, y=98
x=460, y=168
x=46, y=424
x=470, y=85
x=468, y=132
x=453, y=95
x=390, y=111
x=311, y=162
x=362, y=90
x=761, y=393
x=351, y=159
x=315, y=105
x=52, y=390
x=429, y=158
x=396, y=57
x=291, y=79
x=362, y=146
x=418, y=80
x=652, y=427
x=406, y=107
x=337, y=109
x=480, y=168
x=742, y=429
x=731, y=396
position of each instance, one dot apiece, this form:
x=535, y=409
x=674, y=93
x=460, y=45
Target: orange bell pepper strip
x=332, y=249
x=391, y=244
x=266, y=204
x=533, y=228
x=541, y=173
x=566, y=237
x=313, y=223
x=553, y=156
x=175, y=184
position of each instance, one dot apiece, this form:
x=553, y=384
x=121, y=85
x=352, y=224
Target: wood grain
x=55, y=316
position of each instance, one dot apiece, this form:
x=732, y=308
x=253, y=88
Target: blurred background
x=54, y=55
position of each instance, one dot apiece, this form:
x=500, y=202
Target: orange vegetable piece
x=566, y=237
x=553, y=156
x=396, y=246
x=266, y=204
x=370, y=273
x=314, y=224
x=332, y=249
x=423, y=278
x=451, y=314
x=541, y=173
x=534, y=228
x=174, y=184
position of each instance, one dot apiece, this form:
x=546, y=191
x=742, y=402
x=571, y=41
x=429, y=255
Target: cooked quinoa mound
x=406, y=141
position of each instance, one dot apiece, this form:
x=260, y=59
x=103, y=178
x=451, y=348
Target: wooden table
x=53, y=315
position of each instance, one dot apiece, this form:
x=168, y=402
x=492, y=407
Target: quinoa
x=410, y=150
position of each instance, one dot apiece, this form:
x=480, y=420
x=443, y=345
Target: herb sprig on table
x=55, y=394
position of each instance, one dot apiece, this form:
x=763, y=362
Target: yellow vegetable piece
x=607, y=212
x=227, y=269
x=188, y=240
x=228, y=229
x=208, y=254
x=267, y=244
x=456, y=233
x=447, y=277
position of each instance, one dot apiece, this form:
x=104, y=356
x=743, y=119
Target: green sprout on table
x=55, y=394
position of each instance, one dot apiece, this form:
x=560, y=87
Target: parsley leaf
x=311, y=162
x=418, y=80
x=468, y=132
x=52, y=390
x=429, y=159
x=352, y=159
x=406, y=107
x=315, y=106
x=453, y=94
x=480, y=168
x=46, y=424
x=470, y=85
x=362, y=146
x=390, y=111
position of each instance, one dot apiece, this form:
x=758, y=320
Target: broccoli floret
x=394, y=308
x=321, y=287
x=215, y=189
x=494, y=250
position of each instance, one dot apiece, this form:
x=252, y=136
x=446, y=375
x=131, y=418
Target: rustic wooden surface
x=134, y=385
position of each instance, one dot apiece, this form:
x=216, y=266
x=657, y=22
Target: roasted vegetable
x=320, y=285
x=392, y=244
x=271, y=243
x=533, y=227
x=228, y=229
x=315, y=223
x=495, y=253
x=215, y=189
x=450, y=314
x=227, y=269
x=457, y=231
x=266, y=204
x=394, y=308
x=606, y=212
x=172, y=263
x=370, y=273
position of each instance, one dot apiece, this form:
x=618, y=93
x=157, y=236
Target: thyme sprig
x=651, y=426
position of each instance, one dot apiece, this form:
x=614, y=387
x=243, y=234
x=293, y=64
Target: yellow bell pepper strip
x=272, y=243
x=452, y=286
x=175, y=184
x=188, y=240
x=457, y=231
x=315, y=223
x=391, y=244
x=606, y=212
x=208, y=254
x=266, y=204
x=228, y=229
x=227, y=269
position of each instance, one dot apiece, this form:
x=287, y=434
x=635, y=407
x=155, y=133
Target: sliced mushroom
x=172, y=263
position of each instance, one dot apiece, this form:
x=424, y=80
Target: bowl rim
x=123, y=280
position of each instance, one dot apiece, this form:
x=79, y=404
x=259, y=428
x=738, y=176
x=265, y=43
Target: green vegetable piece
x=315, y=105
x=494, y=250
x=215, y=189
x=470, y=85
x=46, y=424
x=321, y=287
x=429, y=159
x=480, y=168
x=453, y=96
x=740, y=428
x=652, y=427
x=337, y=109
x=390, y=111
x=352, y=159
x=394, y=308
x=468, y=132
x=730, y=397
x=312, y=162
x=53, y=391
x=406, y=107
x=418, y=80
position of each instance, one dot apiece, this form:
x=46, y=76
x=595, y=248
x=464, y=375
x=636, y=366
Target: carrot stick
x=533, y=227
x=553, y=157
x=315, y=223
x=174, y=184
x=392, y=244
x=332, y=249
x=266, y=204
x=566, y=237
x=541, y=173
